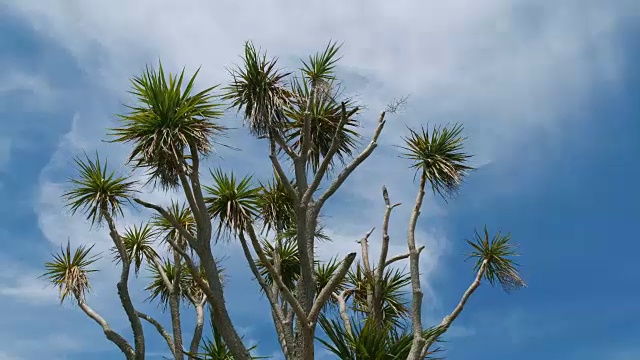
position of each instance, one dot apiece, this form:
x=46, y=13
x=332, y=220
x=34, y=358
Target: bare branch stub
x=397, y=104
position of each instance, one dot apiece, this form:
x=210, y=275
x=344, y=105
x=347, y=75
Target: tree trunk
x=174, y=308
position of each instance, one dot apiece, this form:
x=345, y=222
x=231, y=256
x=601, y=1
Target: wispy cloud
x=509, y=72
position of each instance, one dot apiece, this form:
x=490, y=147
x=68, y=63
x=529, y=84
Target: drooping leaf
x=167, y=119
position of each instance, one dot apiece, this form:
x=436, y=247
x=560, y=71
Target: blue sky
x=548, y=93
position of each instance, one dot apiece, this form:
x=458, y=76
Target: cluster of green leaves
x=366, y=340
x=168, y=119
x=273, y=102
x=438, y=155
x=68, y=271
x=97, y=191
x=394, y=294
x=497, y=253
x=173, y=125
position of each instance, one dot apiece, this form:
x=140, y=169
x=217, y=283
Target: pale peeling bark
x=110, y=334
x=174, y=308
x=212, y=287
x=123, y=289
x=366, y=264
x=342, y=308
x=449, y=319
x=161, y=330
x=414, y=268
x=197, y=331
x=375, y=303
x=307, y=212
x=201, y=244
x=285, y=337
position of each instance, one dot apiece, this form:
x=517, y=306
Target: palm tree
x=393, y=305
x=258, y=88
x=168, y=120
x=232, y=202
x=97, y=192
x=307, y=121
x=172, y=281
x=100, y=194
x=438, y=158
x=189, y=290
x=138, y=243
x=69, y=272
x=172, y=127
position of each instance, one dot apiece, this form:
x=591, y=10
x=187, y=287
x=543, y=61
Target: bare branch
x=285, y=338
x=163, y=274
x=335, y=185
x=183, y=232
x=113, y=336
x=328, y=289
x=197, y=331
x=448, y=320
x=397, y=104
x=401, y=257
x=342, y=306
x=197, y=191
x=186, y=187
x=364, y=244
x=160, y=329
x=295, y=305
x=326, y=161
x=385, y=233
x=281, y=174
x=283, y=145
x=414, y=269
x=123, y=288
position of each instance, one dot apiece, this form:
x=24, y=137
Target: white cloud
x=509, y=72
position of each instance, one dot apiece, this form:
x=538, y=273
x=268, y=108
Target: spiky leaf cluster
x=69, y=269
x=497, y=254
x=96, y=191
x=234, y=202
x=438, y=155
x=168, y=119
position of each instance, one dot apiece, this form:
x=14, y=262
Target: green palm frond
x=367, y=341
x=291, y=233
x=214, y=348
x=158, y=290
x=258, y=89
x=325, y=113
x=277, y=208
x=287, y=251
x=96, y=190
x=182, y=213
x=497, y=252
x=438, y=155
x=138, y=244
x=166, y=121
x=233, y=202
x=394, y=285
x=324, y=272
x=190, y=286
x=321, y=66
x=68, y=271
